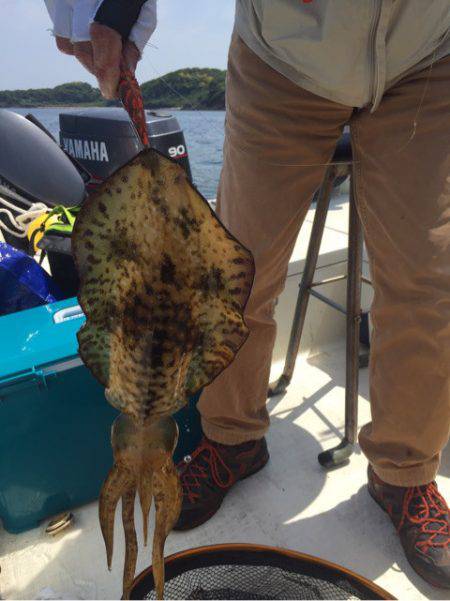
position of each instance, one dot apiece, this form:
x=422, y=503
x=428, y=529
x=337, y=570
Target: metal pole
x=339, y=454
x=355, y=251
x=320, y=217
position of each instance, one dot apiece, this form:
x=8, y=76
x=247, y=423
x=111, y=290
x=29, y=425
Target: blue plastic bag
x=23, y=283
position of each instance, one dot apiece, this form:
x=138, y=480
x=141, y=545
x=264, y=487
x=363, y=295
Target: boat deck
x=292, y=503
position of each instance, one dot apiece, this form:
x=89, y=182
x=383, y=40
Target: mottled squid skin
x=163, y=286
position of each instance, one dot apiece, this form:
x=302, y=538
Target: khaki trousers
x=403, y=196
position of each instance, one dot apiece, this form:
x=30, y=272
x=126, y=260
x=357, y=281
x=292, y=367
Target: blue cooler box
x=54, y=419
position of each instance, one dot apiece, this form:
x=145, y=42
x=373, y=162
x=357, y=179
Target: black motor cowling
x=103, y=139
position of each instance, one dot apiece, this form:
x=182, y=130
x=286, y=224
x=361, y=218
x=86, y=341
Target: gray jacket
x=349, y=51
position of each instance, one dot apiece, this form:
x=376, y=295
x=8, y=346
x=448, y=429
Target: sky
x=190, y=33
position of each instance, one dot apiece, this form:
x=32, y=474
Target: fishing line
x=415, y=121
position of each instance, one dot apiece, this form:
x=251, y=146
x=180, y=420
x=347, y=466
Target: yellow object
x=37, y=227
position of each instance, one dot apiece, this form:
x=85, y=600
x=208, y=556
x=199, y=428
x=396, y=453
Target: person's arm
x=102, y=33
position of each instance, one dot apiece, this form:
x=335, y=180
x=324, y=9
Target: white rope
x=21, y=221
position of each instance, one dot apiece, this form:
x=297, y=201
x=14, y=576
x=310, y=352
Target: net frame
x=258, y=555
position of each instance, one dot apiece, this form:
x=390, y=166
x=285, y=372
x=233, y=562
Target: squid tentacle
x=167, y=493
x=131, y=547
x=145, y=488
x=114, y=487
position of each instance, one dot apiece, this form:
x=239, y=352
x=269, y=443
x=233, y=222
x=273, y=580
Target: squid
x=163, y=286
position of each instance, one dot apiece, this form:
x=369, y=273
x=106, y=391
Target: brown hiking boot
x=208, y=474
x=421, y=517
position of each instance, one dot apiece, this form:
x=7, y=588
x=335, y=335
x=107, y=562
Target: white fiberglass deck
x=292, y=503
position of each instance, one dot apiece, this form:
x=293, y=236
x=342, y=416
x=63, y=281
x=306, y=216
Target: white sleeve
x=61, y=16
x=71, y=18
x=51, y=7
x=144, y=26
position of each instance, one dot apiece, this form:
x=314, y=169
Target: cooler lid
x=39, y=337
x=112, y=122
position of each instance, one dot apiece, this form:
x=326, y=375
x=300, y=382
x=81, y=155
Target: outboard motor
x=104, y=139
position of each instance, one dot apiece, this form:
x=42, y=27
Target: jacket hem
x=295, y=76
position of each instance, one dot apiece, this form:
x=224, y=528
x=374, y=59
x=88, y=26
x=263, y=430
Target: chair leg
x=323, y=203
x=342, y=452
